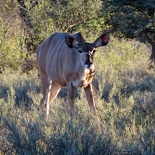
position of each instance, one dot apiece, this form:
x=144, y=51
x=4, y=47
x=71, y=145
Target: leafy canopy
x=130, y=18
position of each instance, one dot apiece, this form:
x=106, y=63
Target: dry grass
x=124, y=96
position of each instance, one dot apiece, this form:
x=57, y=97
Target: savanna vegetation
x=124, y=87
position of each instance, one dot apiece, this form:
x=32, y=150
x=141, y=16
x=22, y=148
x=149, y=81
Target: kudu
x=67, y=60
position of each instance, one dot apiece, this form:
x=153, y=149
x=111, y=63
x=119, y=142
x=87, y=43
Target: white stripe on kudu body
x=67, y=60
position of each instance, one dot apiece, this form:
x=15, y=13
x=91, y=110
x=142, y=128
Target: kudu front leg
x=90, y=98
x=70, y=95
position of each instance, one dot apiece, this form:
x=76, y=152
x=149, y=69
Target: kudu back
x=67, y=60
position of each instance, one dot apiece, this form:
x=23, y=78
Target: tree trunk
x=28, y=63
x=152, y=56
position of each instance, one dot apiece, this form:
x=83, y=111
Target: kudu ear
x=102, y=40
x=71, y=41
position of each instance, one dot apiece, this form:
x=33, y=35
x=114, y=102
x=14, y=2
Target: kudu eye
x=80, y=51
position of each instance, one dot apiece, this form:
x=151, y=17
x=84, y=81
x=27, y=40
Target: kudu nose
x=88, y=64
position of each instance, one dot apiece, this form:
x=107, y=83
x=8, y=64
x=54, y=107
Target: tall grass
x=124, y=91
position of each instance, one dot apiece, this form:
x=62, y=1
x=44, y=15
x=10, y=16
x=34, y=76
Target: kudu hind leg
x=44, y=87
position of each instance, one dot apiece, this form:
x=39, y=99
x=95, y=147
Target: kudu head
x=86, y=49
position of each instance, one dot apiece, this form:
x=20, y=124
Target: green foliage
x=69, y=16
x=10, y=38
x=129, y=18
